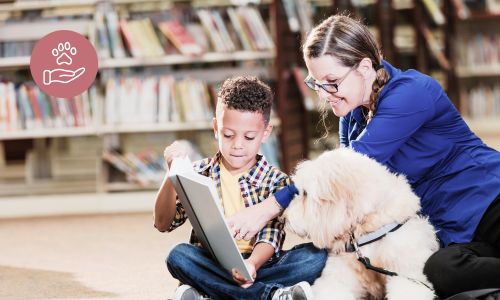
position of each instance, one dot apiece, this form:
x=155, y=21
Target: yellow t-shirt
x=232, y=201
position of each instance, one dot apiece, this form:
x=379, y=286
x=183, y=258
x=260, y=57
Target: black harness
x=353, y=246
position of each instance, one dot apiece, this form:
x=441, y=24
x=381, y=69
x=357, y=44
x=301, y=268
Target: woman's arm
x=246, y=223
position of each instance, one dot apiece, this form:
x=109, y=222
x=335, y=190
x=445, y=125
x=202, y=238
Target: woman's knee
x=443, y=271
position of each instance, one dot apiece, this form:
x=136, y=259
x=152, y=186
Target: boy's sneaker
x=187, y=292
x=300, y=291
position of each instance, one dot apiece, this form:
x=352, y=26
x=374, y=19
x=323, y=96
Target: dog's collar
x=372, y=236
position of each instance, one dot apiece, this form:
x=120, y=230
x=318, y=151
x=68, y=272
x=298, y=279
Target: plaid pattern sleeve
x=273, y=233
x=180, y=216
x=180, y=213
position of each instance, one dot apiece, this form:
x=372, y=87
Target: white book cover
x=202, y=204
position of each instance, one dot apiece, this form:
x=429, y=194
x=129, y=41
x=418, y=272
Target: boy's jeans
x=194, y=266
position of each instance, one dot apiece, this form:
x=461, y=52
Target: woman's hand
x=242, y=281
x=247, y=222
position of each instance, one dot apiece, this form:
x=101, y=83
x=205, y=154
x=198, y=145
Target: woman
x=405, y=121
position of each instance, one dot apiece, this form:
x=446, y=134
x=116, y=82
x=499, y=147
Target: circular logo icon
x=63, y=64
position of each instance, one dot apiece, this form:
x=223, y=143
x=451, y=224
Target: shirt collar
x=358, y=115
x=254, y=176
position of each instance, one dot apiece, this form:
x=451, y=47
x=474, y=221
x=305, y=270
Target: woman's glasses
x=330, y=88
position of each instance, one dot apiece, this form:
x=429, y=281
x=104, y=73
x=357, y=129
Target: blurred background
x=78, y=176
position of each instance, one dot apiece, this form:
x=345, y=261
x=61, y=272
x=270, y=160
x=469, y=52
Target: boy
x=243, y=178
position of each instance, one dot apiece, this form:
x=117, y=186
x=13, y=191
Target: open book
x=200, y=200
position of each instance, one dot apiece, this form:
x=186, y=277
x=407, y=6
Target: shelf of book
x=14, y=62
x=47, y=187
x=127, y=186
x=46, y=133
x=480, y=16
x=80, y=145
x=167, y=127
x=40, y=5
x=213, y=57
x=55, y=4
x=478, y=71
x=488, y=129
x=483, y=126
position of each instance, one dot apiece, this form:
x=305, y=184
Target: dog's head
x=341, y=192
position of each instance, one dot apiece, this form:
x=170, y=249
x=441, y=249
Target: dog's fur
x=342, y=192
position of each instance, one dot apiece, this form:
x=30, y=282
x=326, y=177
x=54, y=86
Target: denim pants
x=194, y=266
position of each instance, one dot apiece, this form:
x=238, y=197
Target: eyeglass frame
x=311, y=83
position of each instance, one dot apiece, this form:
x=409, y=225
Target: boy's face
x=239, y=135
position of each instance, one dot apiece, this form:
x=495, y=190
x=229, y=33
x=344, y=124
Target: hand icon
x=61, y=75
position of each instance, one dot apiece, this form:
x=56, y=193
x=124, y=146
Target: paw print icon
x=63, y=63
x=62, y=75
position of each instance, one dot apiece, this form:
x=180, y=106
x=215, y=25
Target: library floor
x=119, y=256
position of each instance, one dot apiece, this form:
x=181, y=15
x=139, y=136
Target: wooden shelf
x=46, y=133
x=110, y=129
x=44, y=4
x=39, y=5
x=23, y=62
x=51, y=4
x=484, y=126
x=480, y=16
x=14, y=62
x=478, y=71
x=127, y=186
x=182, y=59
x=48, y=187
x=168, y=127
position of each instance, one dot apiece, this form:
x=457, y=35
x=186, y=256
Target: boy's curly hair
x=246, y=93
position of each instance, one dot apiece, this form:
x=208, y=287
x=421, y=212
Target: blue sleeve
x=401, y=112
x=344, y=131
x=286, y=195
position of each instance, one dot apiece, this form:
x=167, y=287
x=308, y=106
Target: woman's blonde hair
x=349, y=41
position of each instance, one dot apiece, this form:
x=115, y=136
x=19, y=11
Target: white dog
x=344, y=194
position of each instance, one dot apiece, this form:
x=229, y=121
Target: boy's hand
x=176, y=149
x=240, y=279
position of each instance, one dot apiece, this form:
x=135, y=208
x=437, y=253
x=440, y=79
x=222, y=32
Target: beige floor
x=87, y=257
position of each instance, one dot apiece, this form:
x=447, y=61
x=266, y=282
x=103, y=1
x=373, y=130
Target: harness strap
x=372, y=236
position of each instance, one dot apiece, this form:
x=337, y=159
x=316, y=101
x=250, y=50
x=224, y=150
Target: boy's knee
x=177, y=254
x=312, y=257
x=321, y=255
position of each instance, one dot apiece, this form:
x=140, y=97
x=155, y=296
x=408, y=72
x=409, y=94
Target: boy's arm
x=273, y=232
x=165, y=206
x=261, y=253
x=169, y=213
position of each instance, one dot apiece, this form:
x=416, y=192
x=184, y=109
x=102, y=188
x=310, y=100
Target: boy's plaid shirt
x=256, y=185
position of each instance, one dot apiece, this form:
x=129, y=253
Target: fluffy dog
x=342, y=193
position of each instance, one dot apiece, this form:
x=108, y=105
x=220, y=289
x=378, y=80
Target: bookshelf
x=413, y=34
x=474, y=37
x=23, y=62
x=27, y=150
